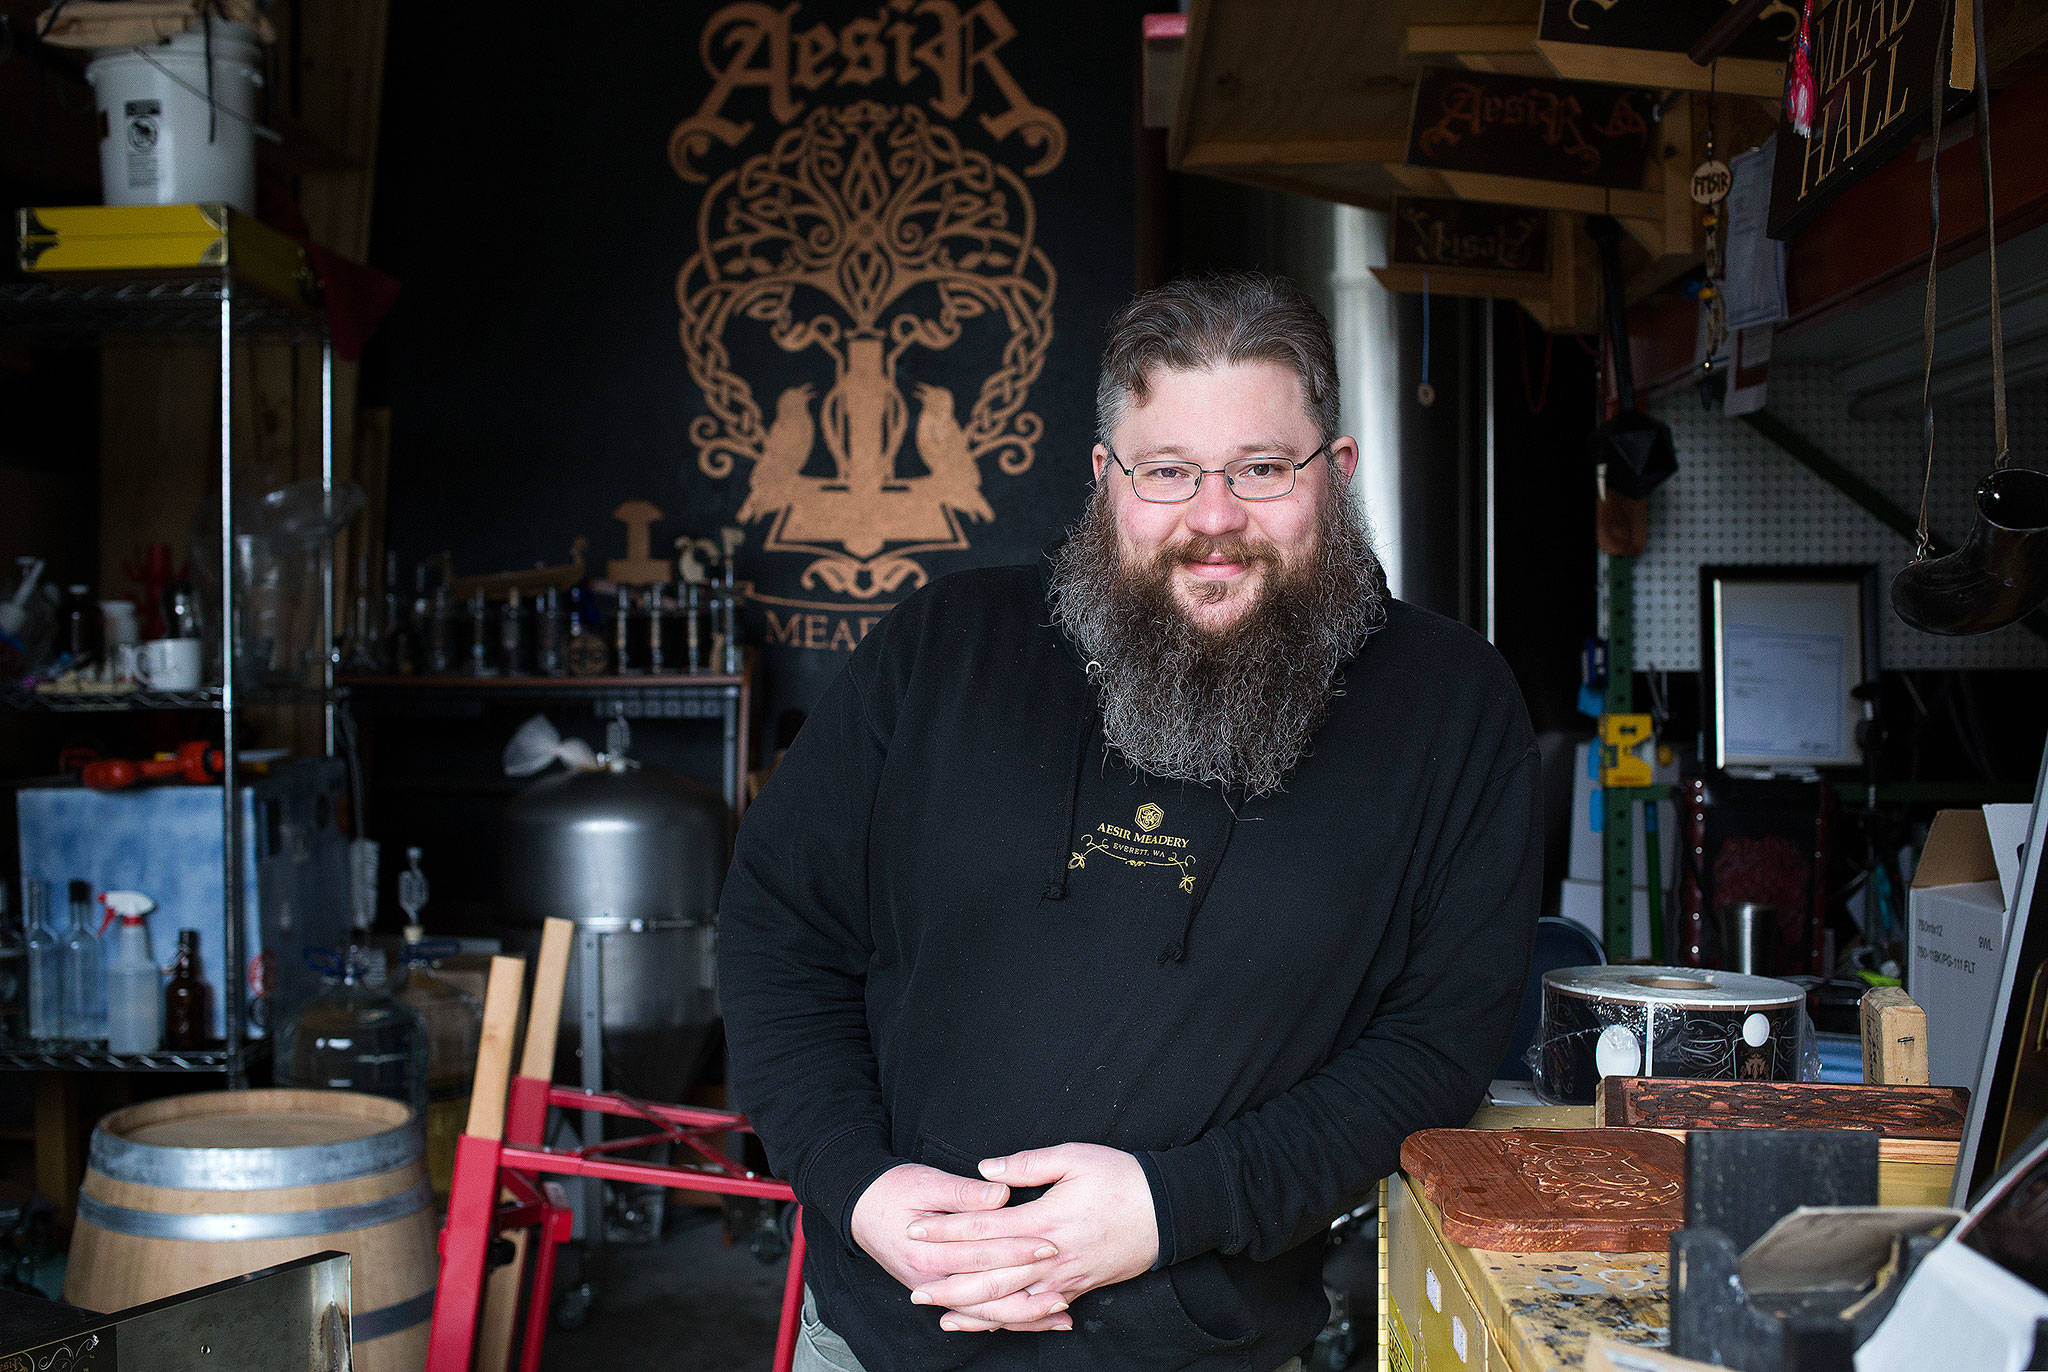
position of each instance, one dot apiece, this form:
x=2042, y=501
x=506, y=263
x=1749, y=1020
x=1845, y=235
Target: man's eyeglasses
x=1172, y=481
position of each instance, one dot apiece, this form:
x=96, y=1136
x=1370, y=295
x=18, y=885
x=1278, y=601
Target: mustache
x=1229, y=548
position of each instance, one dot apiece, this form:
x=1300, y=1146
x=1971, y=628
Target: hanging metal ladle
x=2000, y=574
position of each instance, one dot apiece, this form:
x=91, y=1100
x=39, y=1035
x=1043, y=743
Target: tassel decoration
x=1800, y=92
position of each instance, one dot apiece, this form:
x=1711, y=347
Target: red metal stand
x=500, y=1184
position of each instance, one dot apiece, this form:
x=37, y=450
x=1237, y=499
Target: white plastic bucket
x=153, y=111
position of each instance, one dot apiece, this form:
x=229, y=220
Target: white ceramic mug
x=169, y=664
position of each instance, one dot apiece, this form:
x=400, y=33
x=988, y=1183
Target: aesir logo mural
x=866, y=305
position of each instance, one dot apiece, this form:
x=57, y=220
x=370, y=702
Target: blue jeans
x=818, y=1349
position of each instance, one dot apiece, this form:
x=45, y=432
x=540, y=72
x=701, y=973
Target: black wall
x=533, y=367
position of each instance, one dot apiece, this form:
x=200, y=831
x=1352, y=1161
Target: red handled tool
x=195, y=761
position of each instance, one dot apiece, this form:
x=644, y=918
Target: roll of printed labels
x=1663, y=1022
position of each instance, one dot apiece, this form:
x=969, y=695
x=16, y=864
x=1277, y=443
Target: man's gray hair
x=1197, y=323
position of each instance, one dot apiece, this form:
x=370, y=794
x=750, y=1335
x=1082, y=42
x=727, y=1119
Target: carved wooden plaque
x=1530, y=126
x=1469, y=235
x=1914, y=1123
x=1552, y=1190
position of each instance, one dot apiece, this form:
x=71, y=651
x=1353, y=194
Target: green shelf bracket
x=1617, y=805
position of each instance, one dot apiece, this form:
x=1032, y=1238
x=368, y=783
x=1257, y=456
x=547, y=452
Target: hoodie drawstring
x=1056, y=879
x=1177, y=951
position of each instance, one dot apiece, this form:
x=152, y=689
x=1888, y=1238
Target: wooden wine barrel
x=195, y=1189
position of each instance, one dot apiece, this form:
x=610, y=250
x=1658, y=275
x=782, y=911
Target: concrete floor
x=690, y=1303
x=696, y=1304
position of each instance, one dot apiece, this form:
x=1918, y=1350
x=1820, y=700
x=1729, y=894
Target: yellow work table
x=1448, y=1308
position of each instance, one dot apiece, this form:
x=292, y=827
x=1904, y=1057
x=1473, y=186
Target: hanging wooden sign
x=1666, y=25
x=1469, y=236
x=1529, y=127
x=1873, y=66
x=1645, y=42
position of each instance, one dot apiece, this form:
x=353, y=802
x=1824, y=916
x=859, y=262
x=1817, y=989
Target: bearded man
x=1109, y=926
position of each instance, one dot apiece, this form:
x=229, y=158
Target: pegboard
x=1739, y=498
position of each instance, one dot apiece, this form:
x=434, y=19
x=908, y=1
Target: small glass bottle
x=390, y=655
x=13, y=974
x=512, y=652
x=45, y=964
x=730, y=659
x=79, y=631
x=622, y=644
x=696, y=633
x=85, y=972
x=419, y=620
x=480, y=635
x=657, y=649
x=440, y=634
x=550, y=633
x=188, y=1000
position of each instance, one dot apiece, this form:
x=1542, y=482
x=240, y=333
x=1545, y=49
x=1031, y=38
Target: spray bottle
x=135, y=995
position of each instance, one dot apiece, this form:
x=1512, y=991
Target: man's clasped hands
x=953, y=1243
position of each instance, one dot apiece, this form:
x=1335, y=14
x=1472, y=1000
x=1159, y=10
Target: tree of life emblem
x=864, y=235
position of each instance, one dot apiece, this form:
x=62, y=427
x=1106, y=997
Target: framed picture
x=1782, y=651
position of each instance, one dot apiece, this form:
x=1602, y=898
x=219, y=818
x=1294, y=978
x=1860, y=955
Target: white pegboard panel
x=1738, y=498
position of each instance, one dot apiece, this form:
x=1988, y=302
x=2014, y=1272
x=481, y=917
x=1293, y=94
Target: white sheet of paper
x=1783, y=692
x=1754, y=288
x=1959, y=1309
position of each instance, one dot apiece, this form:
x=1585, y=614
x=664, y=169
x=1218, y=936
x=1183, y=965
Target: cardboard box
x=1434, y=1322
x=1957, y=913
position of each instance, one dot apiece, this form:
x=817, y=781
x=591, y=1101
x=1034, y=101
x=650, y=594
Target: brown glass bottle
x=188, y=1000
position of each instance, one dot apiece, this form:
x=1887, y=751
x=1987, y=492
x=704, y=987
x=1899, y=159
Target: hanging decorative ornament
x=1801, y=92
x=1425, y=394
x=1709, y=189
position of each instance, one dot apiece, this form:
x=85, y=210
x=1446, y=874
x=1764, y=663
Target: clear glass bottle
x=440, y=633
x=355, y=1036
x=45, y=964
x=658, y=650
x=480, y=635
x=622, y=635
x=85, y=972
x=188, y=1000
x=512, y=652
x=550, y=632
x=13, y=973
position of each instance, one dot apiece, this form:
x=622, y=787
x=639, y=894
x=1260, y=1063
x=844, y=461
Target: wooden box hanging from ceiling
x=1508, y=252
x=1315, y=97
x=1645, y=42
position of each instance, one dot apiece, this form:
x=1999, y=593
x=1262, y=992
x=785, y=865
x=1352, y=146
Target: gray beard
x=1239, y=706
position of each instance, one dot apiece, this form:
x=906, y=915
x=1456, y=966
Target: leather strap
x=1922, y=540
x=1990, y=239
x=2000, y=437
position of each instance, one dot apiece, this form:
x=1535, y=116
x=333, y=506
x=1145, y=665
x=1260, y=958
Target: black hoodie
x=954, y=929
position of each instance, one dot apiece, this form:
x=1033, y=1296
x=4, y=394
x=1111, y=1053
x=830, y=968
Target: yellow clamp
x=1621, y=739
